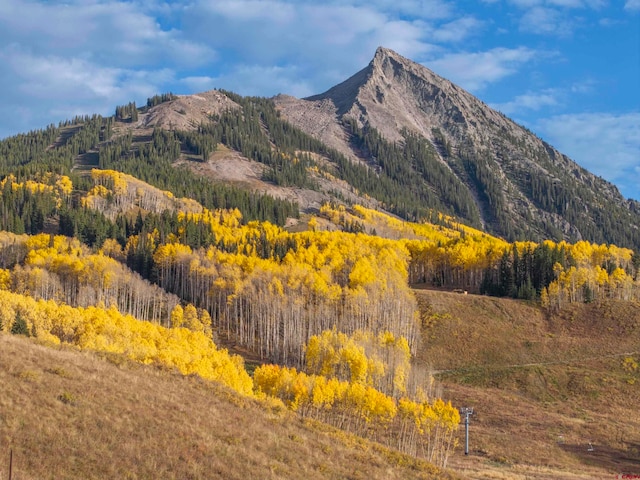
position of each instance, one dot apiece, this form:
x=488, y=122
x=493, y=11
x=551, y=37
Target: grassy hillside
x=543, y=386
x=72, y=415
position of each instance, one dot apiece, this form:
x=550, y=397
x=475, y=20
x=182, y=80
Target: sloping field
x=554, y=395
x=72, y=415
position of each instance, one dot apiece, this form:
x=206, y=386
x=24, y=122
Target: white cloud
x=109, y=32
x=474, y=71
x=326, y=42
x=528, y=101
x=526, y=3
x=46, y=89
x=605, y=144
x=553, y=17
x=633, y=5
x=275, y=11
x=593, y=4
x=255, y=79
x=585, y=86
x=457, y=30
x=426, y=9
x=610, y=22
x=199, y=83
x=547, y=21
x=49, y=77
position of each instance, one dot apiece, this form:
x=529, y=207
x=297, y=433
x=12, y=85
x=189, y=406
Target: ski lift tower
x=467, y=412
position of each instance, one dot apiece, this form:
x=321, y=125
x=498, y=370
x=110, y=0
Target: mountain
x=504, y=178
x=395, y=136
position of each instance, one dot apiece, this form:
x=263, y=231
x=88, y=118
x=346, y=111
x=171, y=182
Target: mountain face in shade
x=515, y=184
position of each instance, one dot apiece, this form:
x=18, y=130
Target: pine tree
x=20, y=326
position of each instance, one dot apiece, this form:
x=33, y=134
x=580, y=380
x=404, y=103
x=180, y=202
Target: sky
x=569, y=70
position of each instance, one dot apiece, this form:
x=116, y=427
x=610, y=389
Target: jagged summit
x=377, y=94
x=393, y=93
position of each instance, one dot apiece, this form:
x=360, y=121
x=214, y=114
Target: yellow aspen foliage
x=544, y=298
x=108, y=330
x=65, y=186
x=618, y=277
x=379, y=407
x=326, y=391
x=112, y=248
x=322, y=353
x=353, y=358
x=177, y=316
x=362, y=273
x=602, y=276
x=383, y=361
x=292, y=387
x=205, y=321
x=190, y=319
x=5, y=279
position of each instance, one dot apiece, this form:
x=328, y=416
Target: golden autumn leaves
x=347, y=394
x=335, y=305
x=107, y=330
x=359, y=383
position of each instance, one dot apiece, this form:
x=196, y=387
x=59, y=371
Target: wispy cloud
x=34, y=86
x=542, y=20
x=528, y=101
x=547, y=100
x=427, y=9
x=605, y=144
x=557, y=18
x=568, y=4
x=284, y=33
x=474, y=71
x=252, y=80
x=110, y=32
x=632, y=5
x=457, y=30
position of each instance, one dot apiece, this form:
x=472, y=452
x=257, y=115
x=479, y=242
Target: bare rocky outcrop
x=187, y=111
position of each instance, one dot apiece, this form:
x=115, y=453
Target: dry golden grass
x=69, y=414
x=72, y=415
x=543, y=386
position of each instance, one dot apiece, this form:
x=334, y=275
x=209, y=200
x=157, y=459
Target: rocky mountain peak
x=514, y=177
x=393, y=93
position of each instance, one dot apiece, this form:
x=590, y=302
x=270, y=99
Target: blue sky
x=569, y=70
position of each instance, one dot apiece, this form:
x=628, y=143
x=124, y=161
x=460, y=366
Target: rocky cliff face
x=523, y=187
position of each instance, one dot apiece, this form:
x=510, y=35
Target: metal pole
x=10, y=462
x=466, y=434
x=466, y=411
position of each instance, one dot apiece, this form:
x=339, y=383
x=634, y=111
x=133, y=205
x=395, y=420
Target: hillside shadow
x=65, y=134
x=86, y=161
x=602, y=456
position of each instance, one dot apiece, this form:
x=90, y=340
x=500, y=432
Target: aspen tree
x=177, y=316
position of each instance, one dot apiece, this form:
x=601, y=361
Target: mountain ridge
x=536, y=184
x=394, y=136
